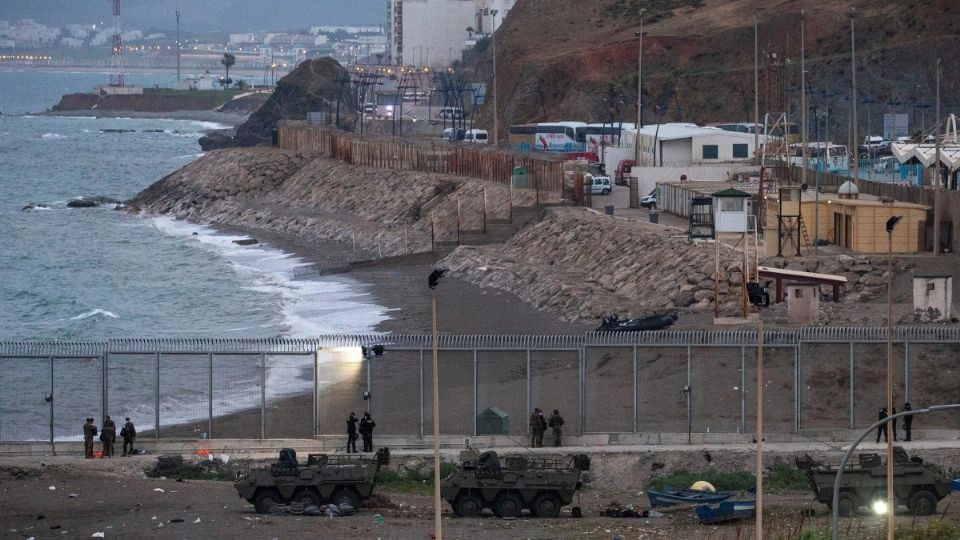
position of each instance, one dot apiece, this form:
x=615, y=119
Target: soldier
x=556, y=424
x=907, y=423
x=129, y=434
x=352, y=434
x=108, y=436
x=543, y=427
x=89, y=432
x=893, y=425
x=536, y=432
x=366, y=431
x=882, y=428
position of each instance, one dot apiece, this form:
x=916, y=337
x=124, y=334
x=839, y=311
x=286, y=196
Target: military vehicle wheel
x=847, y=504
x=923, y=503
x=307, y=497
x=508, y=504
x=346, y=495
x=265, y=500
x=546, y=505
x=468, y=505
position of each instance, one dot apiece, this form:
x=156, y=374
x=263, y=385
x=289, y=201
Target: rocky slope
x=570, y=57
x=312, y=86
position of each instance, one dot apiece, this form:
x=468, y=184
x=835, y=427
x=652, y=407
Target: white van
x=597, y=184
x=453, y=134
x=478, y=136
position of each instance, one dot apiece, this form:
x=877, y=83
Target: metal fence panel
x=395, y=392
x=555, y=383
x=716, y=385
x=870, y=381
x=502, y=383
x=237, y=393
x=184, y=395
x=341, y=382
x=456, y=391
x=289, y=396
x=77, y=394
x=132, y=390
x=825, y=386
x=24, y=413
x=779, y=401
x=935, y=380
x=608, y=389
x=661, y=376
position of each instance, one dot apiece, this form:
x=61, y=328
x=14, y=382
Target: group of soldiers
x=907, y=424
x=108, y=436
x=366, y=431
x=539, y=425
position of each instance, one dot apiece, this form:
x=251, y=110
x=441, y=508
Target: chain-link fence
x=815, y=380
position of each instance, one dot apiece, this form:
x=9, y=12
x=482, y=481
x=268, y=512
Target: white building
x=681, y=145
x=434, y=32
x=249, y=37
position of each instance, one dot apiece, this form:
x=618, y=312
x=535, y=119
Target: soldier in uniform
x=882, y=428
x=893, y=425
x=89, y=432
x=543, y=427
x=108, y=436
x=536, y=432
x=366, y=431
x=352, y=434
x=129, y=434
x=907, y=423
x=556, y=424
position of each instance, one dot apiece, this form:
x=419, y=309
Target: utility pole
x=178, y=40
x=433, y=281
x=493, y=31
x=891, y=224
x=803, y=101
x=639, y=92
x=759, y=471
x=936, y=171
x=756, y=83
x=853, y=98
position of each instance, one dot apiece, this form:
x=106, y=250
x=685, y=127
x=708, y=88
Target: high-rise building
x=434, y=32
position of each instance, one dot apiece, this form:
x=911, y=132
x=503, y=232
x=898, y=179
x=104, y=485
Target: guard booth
x=701, y=219
x=730, y=207
x=493, y=421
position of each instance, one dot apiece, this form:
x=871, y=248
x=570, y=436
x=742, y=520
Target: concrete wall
x=933, y=297
x=724, y=142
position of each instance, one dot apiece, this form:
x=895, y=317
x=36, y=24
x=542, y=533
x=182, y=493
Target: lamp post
x=853, y=98
x=178, y=40
x=433, y=281
x=639, y=92
x=493, y=37
x=756, y=85
x=891, y=224
x=759, y=471
x=803, y=100
x=936, y=172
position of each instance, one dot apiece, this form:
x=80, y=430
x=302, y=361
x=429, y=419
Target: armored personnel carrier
x=541, y=485
x=918, y=485
x=325, y=479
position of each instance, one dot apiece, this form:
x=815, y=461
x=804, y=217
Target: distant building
x=434, y=32
x=681, y=145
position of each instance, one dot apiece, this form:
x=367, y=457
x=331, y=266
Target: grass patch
x=779, y=478
x=409, y=480
x=935, y=530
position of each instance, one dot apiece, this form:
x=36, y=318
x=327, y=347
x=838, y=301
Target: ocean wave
x=209, y=125
x=94, y=313
x=53, y=136
x=190, y=156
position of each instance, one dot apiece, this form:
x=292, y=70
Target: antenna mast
x=116, y=57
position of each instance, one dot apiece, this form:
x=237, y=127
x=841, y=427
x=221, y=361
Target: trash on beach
x=378, y=518
x=52, y=488
x=225, y=458
x=176, y=520
x=97, y=535
x=158, y=490
x=72, y=496
x=196, y=520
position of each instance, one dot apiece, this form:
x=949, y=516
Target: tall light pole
x=891, y=224
x=433, y=281
x=853, y=98
x=756, y=82
x=639, y=91
x=759, y=471
x=803, y=99
x=493, y=30
x=936, y=172
x=178, y=41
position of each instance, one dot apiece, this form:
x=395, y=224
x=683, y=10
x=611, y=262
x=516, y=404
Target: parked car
x=597, y=184
x=370, y=108
x=649, y=201
x=477, y=136
x=453, y=134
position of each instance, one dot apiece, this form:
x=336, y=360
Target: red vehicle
x=624, y=167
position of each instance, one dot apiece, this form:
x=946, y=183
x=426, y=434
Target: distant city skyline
x=206, y=16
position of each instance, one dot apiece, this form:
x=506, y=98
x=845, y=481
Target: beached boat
x=686, y=496
x=726, y=511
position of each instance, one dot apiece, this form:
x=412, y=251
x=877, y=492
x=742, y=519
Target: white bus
x=560, y=136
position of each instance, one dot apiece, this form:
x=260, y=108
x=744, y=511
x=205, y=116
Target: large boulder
x=313, y=86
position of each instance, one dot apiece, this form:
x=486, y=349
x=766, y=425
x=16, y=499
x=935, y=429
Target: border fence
x=816, y=378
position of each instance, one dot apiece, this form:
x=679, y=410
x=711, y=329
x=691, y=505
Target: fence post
x=906, y=371
x=53, y=449
x=529, y=396
x=421, y=392
x=210, y=396
x=635, y=389
x=156, y=401
x=583, y=405
x=743, y=388
x=475, y=383
x=796, y=387
x=104, y=367
x=316, y=391
x=263, y=395
x=689, y=396
x=851, y=376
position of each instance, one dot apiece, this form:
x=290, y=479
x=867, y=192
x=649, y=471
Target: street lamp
x=493, y=30
x=853, y=98
x=639, y=91
x=891, y=225
x=433, y=280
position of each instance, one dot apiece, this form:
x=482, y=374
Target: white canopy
x=926, y=152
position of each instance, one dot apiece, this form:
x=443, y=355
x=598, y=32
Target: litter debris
x=159, y=490
x=52, y=488
x=196, y=520
x=97, y=535
x=378, y=518
x=176, y=520
x=72, y=496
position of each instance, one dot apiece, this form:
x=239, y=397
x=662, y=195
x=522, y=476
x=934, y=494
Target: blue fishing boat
x=726, y=511
x=659, y=499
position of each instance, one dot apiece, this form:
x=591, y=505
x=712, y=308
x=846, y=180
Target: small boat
x=686, y=496
x=726, y=511
x=956, y=484
x=613, y=323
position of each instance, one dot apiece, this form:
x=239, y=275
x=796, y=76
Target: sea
x=99, y=273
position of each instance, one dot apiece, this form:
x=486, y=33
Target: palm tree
x=228, y=61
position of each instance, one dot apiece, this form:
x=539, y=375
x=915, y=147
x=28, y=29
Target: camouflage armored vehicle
x=541, y=485
x=918, y=485
x=325, y=479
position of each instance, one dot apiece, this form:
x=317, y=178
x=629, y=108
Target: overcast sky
x=202, y=15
